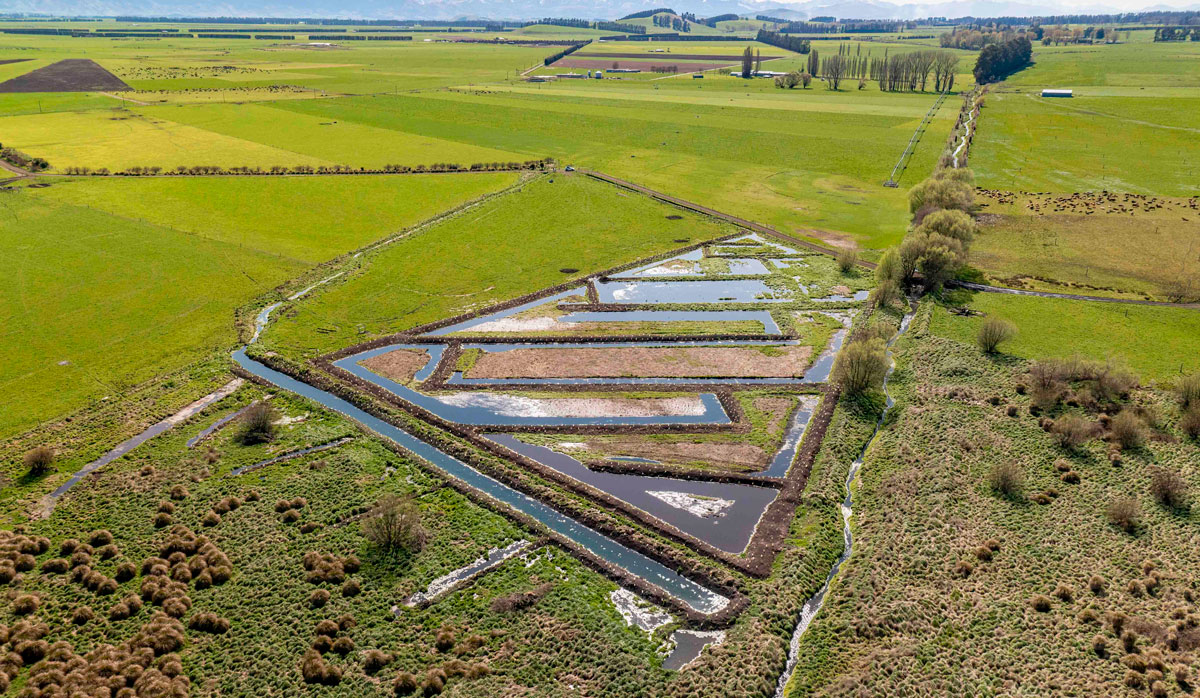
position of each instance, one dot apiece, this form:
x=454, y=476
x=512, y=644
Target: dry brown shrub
x=1072, y=431
x=1190, y=422
x=1125, y=513
x=1169, y=488
x=39, y=460
x=1128, y=429
x=1007, y=478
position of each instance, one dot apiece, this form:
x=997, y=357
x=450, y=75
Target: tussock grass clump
x=1100, y=645
x=1188, y=391
x=444, y=640
x=1041, y=603
x=1096, y=584
x=324, y=567
x=963, y=568
x=315, y=669
x=1189, y=423
x=352, y=587
x=207, y=622
x=375, y=660
x=1064, y=593
x=847, y=258
x=179, y=492
x=405, y=684
x=318, y=598
x=521, y=599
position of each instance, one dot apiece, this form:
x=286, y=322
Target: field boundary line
x=985, y=288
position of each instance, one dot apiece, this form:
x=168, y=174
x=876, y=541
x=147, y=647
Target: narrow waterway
x=813, y=606
x=689, y=592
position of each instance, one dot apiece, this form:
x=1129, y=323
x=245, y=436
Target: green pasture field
x=355, y=67
x=95, y=303
x=308, y=219
x=811, y=162
x=923, y=607
x=119, y=139
x=1158, y=343
x=1145, y=252
x=109, y=287
x=329, y=141
x=1138, y=64
x=507, y=247
x=1027, y=143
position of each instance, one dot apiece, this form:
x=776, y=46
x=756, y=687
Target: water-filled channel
x=678, y=586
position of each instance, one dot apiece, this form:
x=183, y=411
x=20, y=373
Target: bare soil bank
x=400, y=365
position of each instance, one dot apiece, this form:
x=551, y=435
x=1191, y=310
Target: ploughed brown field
x=70, y=75
x=644, y=66
x=667, y=56
x=619, y=362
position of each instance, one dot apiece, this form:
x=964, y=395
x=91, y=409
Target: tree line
x=647, y=13
x=585, y=24
x=672, y=22
x=905, y=72
x=1177, y=34
x=998, y=61
x=712, y=21
x=791, y=43
x=565, y=52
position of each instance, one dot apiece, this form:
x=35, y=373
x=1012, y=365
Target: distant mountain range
x=585, y=9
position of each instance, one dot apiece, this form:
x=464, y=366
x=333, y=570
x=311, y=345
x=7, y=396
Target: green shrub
x=861, y=366
x=993, y=332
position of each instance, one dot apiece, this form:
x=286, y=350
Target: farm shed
x=1057, y=93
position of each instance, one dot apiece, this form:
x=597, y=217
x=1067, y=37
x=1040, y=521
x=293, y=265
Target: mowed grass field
x=1133, y=124
x=556, y=228
x=109, y=287
x=1158, y=343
